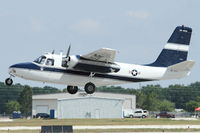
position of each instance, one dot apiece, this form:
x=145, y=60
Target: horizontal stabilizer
x=178, y=70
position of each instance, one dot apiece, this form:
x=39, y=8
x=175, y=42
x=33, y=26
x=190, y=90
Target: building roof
x=61, y=96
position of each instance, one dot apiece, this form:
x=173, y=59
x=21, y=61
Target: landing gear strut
x=8, y=81
x=72, y=89
x=89, y=88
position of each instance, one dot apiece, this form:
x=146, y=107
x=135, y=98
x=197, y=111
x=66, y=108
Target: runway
x=139, y=127
x=111, y=127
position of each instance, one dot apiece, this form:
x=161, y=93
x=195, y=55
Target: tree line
x=19, y=97
x=151, y=97
x=157, y=98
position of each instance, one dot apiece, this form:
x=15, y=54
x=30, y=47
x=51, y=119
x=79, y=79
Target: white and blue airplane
x=100, y=69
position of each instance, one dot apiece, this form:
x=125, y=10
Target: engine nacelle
x=95, y=66
x=72, y=61
x=76, y=63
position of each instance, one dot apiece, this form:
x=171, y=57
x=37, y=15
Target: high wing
x=99, y=61
x=101, y=55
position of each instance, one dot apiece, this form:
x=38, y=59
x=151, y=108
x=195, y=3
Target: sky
x=138, y=29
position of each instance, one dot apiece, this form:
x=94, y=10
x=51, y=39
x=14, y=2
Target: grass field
x=147, y=121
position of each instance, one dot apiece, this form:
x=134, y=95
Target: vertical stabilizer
x=176, y=49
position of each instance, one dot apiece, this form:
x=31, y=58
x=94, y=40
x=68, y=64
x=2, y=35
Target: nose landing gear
x=8, y=81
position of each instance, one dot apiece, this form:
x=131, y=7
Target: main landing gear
x=72, y=89
x=8, y=81
x=89, y=88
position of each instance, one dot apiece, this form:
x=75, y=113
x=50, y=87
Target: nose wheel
x=8, y=81
x=72, y=89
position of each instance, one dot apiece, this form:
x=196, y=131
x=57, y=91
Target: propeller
x=68, y=51
x=67, y=56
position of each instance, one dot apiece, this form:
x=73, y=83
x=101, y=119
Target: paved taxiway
x=112, y=127
x=149, y=132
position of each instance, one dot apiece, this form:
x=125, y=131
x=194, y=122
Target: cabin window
x=50, y=62
x=40, y=60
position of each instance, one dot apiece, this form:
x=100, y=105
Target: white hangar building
x=81, y=105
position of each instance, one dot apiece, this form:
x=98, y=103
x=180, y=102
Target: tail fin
x=176, y=49
x=178, y=70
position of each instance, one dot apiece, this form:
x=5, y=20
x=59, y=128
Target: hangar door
x=42, y=109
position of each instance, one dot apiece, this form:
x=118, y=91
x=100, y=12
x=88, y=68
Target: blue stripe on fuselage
x=33, y=66
x=27, y=65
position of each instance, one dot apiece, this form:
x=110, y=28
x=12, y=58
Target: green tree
x=166, y=105
x=12, y=106
x=151, y=102
x=191, y=105
x=197, y=99
x=12, y=93
x=25, y=101
x=140, y=98
x=65, y=90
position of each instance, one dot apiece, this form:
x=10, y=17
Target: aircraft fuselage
x=61, y=75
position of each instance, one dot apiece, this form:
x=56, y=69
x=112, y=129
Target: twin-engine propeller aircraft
x=99, y=68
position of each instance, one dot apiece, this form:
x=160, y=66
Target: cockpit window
x=50, y=62
x=40, y=60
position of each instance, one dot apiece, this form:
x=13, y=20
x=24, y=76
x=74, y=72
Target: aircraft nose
x=20, y=65
x=13, y=68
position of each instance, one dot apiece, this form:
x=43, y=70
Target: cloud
x=138, y=14
x=86, y=26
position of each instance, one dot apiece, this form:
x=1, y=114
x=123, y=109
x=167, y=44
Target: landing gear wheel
x=8, y=81
x=89, y=88
x=72, y=89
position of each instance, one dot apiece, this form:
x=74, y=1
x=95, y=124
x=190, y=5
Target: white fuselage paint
x=143, y=72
